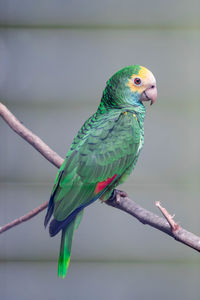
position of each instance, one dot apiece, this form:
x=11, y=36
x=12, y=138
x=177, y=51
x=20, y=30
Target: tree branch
x=122, y=202
x=119, y=200
x=30, y=137
x=24, y=218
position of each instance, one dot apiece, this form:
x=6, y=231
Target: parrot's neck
x=140, y=109
x=140, y=112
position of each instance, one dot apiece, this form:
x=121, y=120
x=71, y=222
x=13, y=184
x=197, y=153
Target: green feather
x=65, y=249
x=78, y=219
x=66, y=245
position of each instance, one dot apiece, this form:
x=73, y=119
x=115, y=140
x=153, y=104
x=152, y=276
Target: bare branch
x=30, y=137
x=24, y=218
x=120, y=200
x=168, y=217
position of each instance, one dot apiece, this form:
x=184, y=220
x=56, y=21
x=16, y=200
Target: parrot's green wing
x=106, y=149
x=101, y=153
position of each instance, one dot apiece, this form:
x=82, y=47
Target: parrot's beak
x=150, y=94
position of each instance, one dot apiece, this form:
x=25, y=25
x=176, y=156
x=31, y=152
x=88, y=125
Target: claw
x=113, y=196
x=122, y=193
x=116, y=196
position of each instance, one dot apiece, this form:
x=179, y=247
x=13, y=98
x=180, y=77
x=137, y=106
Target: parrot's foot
x=116, y=196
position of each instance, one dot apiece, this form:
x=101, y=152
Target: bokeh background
x=55, y=57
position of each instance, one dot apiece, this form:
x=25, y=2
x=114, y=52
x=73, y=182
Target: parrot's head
x=130, y=86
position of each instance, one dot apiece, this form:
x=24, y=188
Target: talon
x=122, y=193
x=112, y=197
x=118, y=196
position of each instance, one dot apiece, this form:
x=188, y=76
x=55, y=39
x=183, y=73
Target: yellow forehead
x=144, y=73
x=147, y=78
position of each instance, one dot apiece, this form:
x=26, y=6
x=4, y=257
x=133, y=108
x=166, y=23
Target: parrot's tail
x=65, y=249
x=66, y=245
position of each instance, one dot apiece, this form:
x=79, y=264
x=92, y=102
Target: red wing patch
x=101, y=185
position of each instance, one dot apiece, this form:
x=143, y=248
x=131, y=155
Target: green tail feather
x=78, y=219
x=66, y=245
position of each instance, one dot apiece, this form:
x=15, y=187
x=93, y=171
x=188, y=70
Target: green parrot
x=102, y=155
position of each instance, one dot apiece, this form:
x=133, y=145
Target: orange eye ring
x=137, y=81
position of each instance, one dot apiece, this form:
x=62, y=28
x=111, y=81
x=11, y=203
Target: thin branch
x=30, y=137
x=168, y=217
x=120, y=200
x=24, y=218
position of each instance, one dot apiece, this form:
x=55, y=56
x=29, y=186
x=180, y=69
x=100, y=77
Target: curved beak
x=150, y=94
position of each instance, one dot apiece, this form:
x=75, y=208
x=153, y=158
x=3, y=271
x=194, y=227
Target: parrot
x=102, y=154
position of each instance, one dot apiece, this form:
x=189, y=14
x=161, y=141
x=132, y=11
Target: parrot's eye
x=137, y=81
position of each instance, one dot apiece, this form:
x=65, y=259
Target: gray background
x=55, y=57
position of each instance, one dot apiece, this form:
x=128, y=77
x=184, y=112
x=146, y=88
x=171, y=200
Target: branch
x=118, y=200
x=30, y=137
x=40, y=146
x=122, y=202
x=24, y=218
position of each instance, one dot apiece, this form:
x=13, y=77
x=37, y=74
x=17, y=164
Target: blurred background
x=55, y=57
